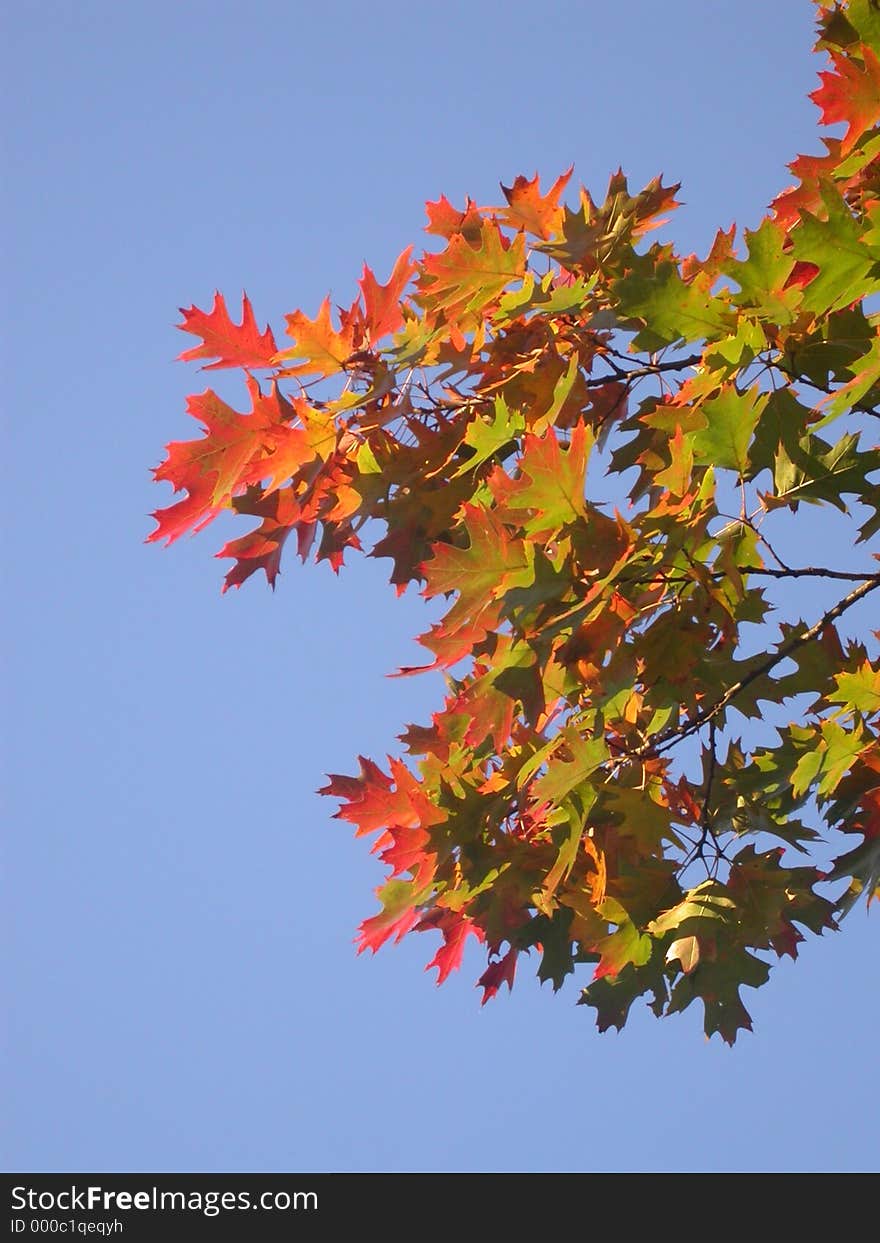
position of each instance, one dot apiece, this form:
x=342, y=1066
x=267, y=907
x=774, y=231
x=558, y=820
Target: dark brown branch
x=810, y=571
x=618, y=375
x=805, y=572
x=638, y=373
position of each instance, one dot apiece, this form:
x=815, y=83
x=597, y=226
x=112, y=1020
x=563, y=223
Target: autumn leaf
x=455, y=928
x=530, y=210
x=850, y=93
x=624, y=947
x=211, y=470
x=468, y=275
x=445, y=221
x=262, y=548
x=382, y=313
x=400, y=912
x=491, y=562
x=233, y=345
x=324, y=350
x=552, y=481
x=859, y=690
x=501, y=971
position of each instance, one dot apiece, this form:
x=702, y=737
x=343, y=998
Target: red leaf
x=851, y=93
x=375, y=801
x=455, y=928
x=497, y=973
x=490, y=714
x=236, y=450
x=233, y=345
x=371, y=802
x=261, y=548
x=801, y=274
x=722, y=252
x=406, y=549
x=382, y=302
x=403, y=850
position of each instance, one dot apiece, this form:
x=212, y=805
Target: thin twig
x=861, y=406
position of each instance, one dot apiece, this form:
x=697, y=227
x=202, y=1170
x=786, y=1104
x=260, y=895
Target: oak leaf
x=232, y=345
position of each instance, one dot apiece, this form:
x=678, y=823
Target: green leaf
x=612, y=995
x=544, y=298
x=552, y=481
x=761, y=277
x=866, y=377
x=564, y=775
x=553, y=934
x=864, y=16
x=859, y=690
x=829, y=755
x=568, y=838
x=823, y=472
x=863, y=866
x=486, y=437
x=847, y=269
x=621, y=948
x=670, y=310
x=717, y=984
x=731, y=420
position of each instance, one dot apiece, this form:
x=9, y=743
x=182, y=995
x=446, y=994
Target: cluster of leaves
x=583, y=793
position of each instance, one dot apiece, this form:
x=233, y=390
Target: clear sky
x=185, y=992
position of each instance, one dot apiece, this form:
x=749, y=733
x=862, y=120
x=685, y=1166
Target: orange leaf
x=325, y=350
x=445, y=221
x=532, y=211
x=233, y=345
x=210, y=469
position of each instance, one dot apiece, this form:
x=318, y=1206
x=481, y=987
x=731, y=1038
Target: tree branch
x=669, y=738
x=639, y=373
x=805, y=572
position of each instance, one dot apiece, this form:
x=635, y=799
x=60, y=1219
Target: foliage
x=590, y=447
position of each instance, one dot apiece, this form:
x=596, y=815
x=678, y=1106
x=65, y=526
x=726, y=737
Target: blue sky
x=185, y=990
